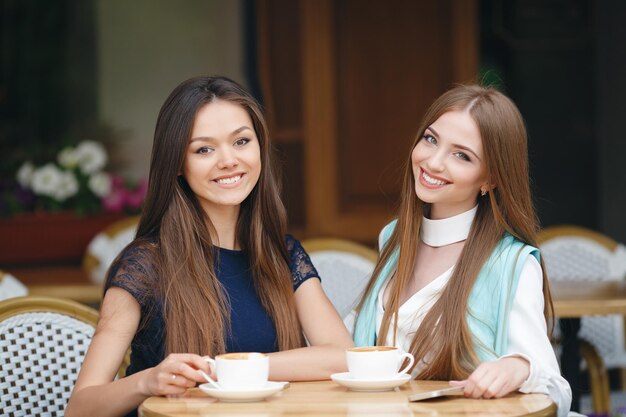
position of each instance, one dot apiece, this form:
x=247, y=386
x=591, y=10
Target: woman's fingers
x=478, y=385
x=186, y=373
x=176, y=373
x=495, y=388
x=182, y=381
x=495, y=379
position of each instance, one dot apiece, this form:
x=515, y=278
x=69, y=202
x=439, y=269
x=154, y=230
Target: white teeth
x=230, y=180
x=432, y=181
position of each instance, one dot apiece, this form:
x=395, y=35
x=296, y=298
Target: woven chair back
x=344, y=267
x=43, y=342
x=577, y=254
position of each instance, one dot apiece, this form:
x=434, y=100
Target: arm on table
x=96, y=392
x=327, y=336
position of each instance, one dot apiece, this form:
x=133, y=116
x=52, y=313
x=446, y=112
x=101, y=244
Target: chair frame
x=40, y=304
x=35, y=304
x=552, y=232
x=326, y=244
x=364, y=253
x=90, y=262
x=600, y=390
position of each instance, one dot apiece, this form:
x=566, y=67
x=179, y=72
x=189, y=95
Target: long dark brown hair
x=196, y=310
x=443, y=339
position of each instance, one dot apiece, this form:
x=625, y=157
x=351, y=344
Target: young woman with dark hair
x=211, y=269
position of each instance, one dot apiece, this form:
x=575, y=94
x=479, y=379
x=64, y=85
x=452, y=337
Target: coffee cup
x=377, y=362
x=240, y=371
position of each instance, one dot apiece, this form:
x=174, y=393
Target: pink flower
x=117, y=182
x=114, y=202
x=134, y=198
x=123, y=197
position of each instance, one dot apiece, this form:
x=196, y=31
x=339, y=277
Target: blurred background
x=344, y=84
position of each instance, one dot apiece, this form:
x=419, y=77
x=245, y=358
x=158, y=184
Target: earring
x=483, y=192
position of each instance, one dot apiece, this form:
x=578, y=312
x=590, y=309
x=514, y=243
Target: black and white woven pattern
x=40, y=356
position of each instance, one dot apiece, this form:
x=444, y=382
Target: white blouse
x=527, y=325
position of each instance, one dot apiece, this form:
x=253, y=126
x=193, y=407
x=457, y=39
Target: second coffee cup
x=241, y=371
x=377, y=362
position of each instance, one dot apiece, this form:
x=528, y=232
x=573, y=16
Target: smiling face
x=223, y=158
x=448, y=165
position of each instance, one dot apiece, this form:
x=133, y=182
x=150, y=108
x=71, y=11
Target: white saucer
x=243, y=396
x=345, y=379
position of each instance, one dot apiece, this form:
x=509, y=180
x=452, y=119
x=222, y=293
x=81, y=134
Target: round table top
x=329, y=399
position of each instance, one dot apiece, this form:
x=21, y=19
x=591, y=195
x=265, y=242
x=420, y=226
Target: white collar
x=449, y=230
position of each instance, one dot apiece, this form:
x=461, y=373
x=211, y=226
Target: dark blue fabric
x=252, y=330
x=251, y=327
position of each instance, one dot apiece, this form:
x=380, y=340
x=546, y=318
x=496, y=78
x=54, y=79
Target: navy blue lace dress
x=252, y=330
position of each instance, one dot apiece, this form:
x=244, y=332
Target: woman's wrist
x=520, y=364
x=142, y=382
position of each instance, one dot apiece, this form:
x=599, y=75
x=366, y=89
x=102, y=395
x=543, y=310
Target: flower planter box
x=47, y=238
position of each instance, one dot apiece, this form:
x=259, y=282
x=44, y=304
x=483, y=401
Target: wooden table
x=572, y=300
x=326, y=398
x=577, y=299
x=64, y=281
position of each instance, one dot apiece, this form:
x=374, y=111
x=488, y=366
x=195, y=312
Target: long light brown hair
x=195, y=308
x=443, y=339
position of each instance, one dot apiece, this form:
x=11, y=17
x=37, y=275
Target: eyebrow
x=233, y=133
x=456, y=145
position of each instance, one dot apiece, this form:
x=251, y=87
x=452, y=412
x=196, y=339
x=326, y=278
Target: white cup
x=377, y=362
x=240, y=371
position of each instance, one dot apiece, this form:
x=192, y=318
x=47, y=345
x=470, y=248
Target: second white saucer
x=242, y=396
x=346, y=380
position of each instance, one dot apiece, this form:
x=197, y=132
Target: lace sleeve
x=301, y=266
x=134, y=272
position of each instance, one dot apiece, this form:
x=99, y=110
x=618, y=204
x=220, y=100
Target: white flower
x=46, y=180
x=100, y=184
x=25, y=174
x=68, y=158
x=68, y=186
x=92, y=156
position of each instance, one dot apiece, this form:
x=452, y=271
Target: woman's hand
x=495, y=379
x=174, y=375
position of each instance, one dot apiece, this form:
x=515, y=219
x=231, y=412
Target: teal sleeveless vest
x=489, y=303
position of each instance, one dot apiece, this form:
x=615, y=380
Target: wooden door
x=346, y=83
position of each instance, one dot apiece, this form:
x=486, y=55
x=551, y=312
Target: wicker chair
x=345, y=267
x=10, y=286
x=576, y=254
x=43, y=342
x=106, y=245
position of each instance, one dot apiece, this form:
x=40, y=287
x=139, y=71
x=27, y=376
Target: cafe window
x=100, y=69
x=48, y=77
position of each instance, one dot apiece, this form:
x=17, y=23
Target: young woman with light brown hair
x=459, y=282
x=211, y=269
